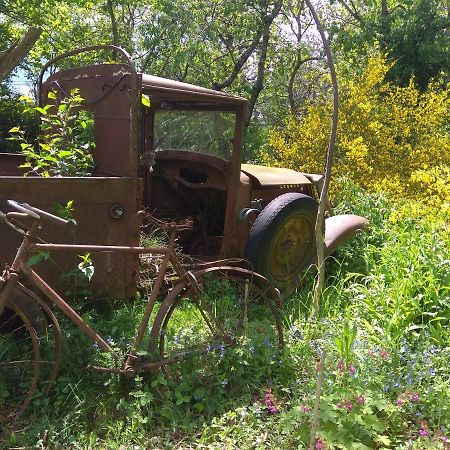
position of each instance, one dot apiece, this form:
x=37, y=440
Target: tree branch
x=11, y=58
x=259, y=83
x=266, y=22
x=319, y=232
x=290, y=88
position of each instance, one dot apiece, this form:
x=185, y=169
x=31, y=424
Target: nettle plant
x=65, y=142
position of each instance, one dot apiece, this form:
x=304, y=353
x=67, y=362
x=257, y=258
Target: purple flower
x=319, y=444
x=351, y=369
x=360, y=400
x=340, y=365
x=305, y=408
x=423, y=432
x=414, y=397
x=271, y=402
x=384, y=354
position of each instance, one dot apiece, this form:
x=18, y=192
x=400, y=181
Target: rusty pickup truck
x=178, y=156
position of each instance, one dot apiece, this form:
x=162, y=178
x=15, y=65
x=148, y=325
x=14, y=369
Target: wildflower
x=400, y=401
x=423, y=432
x=340, y=365
x=409, y=377
x=384, y=354
x=319, y=445
x=339, y=405
x=360, y=400
x=271, y=402
x=348, y=406
x=351, y=369
x=305, y=408
x=414, y=397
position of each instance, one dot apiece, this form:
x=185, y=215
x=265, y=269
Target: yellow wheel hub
x=290, y=247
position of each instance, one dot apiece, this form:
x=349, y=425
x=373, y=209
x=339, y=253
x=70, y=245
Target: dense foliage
x=65, y=141
x=383, y=322
x=11, y=115
x=391, y=138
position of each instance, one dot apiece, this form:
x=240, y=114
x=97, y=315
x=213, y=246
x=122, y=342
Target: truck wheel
x=281, y=241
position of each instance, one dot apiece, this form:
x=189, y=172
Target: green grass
x=384, y=322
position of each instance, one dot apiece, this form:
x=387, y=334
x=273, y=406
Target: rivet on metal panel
x=117, y=211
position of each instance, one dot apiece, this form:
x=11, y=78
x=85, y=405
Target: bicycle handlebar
x=36, y=213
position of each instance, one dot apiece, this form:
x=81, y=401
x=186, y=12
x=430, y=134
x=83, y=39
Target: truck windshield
x=207, y=132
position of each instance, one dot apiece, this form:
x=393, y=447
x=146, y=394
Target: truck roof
x=153, y=83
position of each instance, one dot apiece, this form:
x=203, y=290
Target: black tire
x=281, y=242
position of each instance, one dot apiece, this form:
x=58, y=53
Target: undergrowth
x=384, y=318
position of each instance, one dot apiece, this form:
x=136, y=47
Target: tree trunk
x=11, y=58
x=112, y=16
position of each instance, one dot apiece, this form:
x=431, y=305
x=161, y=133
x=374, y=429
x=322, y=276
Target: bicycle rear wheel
x=19, y=362
x=222, y=319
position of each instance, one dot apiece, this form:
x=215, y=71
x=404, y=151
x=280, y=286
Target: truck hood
x=275, y=176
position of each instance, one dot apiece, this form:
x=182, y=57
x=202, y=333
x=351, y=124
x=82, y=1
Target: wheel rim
x=19, y=362
x=232, y=324
x=291, y=248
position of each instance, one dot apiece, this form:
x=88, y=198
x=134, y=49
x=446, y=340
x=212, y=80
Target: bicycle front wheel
x=19, y=362
x=223, y=318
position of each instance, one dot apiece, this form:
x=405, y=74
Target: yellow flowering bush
x=390, y=138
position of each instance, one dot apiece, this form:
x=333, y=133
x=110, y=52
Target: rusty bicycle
x=212, y=307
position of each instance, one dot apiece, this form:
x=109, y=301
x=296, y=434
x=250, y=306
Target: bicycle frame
x=20, y=267
x=248, y=289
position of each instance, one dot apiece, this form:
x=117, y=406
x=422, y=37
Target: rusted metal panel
x=341, y=228
x=9, y=164
x=109, y=91
x=275, y=176
x=115, y=274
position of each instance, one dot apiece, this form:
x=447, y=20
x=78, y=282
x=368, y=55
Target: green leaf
x=43, y=111
x=382, y=440
x=160, y=379
x=199, y=393
x=64, y=153
x=37, y=258
x=145, y=99
x=25, y=98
